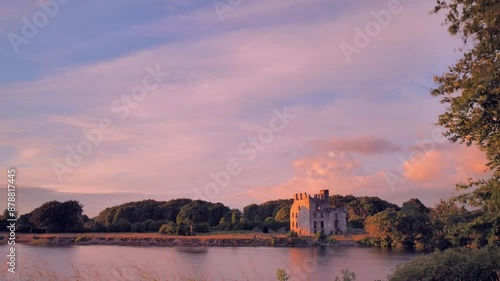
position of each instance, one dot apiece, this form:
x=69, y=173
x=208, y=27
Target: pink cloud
x=361, y=145
x=436, y=168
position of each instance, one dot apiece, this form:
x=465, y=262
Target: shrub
x=320, y=236
x=281, y=275
x=292, y=234
x=238, y=226
x=169, y=228
x=347, y=275
x=452, y=264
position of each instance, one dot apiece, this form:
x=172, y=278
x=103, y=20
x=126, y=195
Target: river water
x=163, y=263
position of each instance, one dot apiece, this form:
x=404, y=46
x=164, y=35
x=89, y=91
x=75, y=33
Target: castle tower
x=310, y=214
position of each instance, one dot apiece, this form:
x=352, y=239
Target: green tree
x=236, y=216
x=416, y=226
x=471, y=91
x=250, y=211
x=55, y=216
x=194, y=212
x=385, y=228
x=448, y=221
x=283, y=215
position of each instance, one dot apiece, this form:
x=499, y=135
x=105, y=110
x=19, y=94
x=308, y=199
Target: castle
x=309, y=215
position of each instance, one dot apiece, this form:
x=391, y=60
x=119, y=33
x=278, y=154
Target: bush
x=238, y=226
x=169, y=228
x=347, y=275
x=320, y=236
x=292, y=234
x=225, y=226
x=356, y=222
x=201, y=228
x=281, y=275
x=452, y=264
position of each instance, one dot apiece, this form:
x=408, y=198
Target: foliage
x=409, y=227
x=471, y=91
x=172, y=228
x=292, y=234
x=384, y=228
x=256, y=212
x=140, y=211
x=347, y=275
x=281, y=275
x=150, y=215
x=360, y=208
x=194, y=212
x=320, y=236
x=448, y=221
x=55, y=216
x=236, y=216
x=451, y=265
x=283, y=215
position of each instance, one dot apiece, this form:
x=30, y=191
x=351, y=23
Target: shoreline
x=161, y=240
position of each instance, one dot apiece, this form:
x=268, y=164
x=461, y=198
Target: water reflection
x=216, y=263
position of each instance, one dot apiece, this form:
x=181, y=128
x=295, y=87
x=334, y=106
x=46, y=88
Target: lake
x=224, y=263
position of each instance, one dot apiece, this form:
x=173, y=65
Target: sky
x=232, y=101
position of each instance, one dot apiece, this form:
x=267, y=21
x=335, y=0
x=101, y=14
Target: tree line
x=179, y=215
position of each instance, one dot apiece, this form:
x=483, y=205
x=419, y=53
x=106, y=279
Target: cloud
x=440, y=168
x=226, y=79
x=361, y=145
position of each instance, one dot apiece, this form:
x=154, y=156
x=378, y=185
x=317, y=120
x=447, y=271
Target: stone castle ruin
x=309, y=215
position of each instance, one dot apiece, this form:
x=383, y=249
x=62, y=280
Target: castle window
x=331, y=232
x=315, y=231
x=322, y=224
x=299, y=208
x=315, y=224
x=336, y=215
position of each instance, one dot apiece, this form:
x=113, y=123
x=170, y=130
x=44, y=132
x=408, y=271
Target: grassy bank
x=213, y=239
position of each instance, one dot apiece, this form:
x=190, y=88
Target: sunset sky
x=354, y=122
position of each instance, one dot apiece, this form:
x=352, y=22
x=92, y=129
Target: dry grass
x=27, y=238
x=351, y=237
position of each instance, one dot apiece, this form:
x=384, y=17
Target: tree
x=55, y=216
x=416, y=226
x=471, y=89
x=385, y=228
x=236, y=216
x=448, y=221
x=250, y=211
x=194, y=212
x=216, y=212
x=283, y=215
x=451, y=265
